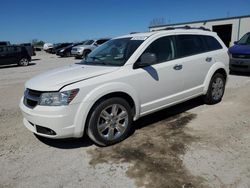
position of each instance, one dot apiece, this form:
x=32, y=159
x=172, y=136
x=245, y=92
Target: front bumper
x=59, y=119
x=76, y=53
x=241, y=65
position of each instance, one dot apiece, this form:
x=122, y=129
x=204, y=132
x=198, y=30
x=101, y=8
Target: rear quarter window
x=212, y=43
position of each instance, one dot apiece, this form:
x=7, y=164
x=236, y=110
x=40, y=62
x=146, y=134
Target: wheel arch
x=104, y=92
x=216, y=68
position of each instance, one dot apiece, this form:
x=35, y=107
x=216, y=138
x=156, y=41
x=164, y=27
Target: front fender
x=98, y=93
x=212, y=70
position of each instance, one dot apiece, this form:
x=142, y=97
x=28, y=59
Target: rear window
x=212, y=43
x=190, y=45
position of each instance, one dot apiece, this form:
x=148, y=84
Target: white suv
x=124, y=79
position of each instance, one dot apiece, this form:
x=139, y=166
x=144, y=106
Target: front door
x=161, y=83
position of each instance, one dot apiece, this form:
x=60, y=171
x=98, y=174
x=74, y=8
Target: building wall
x=237, y=32
x=244, y=26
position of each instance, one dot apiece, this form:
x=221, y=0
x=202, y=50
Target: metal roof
x=211, y=20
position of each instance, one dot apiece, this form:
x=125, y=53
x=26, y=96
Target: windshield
x=245, y=40
x=88, y=42
x=114, y=52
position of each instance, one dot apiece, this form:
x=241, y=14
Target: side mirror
x=147, y=59
x=235, y=42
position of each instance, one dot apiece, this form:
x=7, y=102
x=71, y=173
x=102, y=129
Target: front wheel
x=110, y=121
x=85, y=54
x=23, y=62
x=216, y=89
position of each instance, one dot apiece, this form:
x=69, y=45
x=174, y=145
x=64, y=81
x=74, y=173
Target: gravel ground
x=189, y=145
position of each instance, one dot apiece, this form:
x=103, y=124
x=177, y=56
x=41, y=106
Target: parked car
x=83, y=50
x=124, y=79
x=4, y=43
x=57, y=47
x=30, y=48
x=47, y=47
x=14, y=55
x=66, y=52
x=240, y=54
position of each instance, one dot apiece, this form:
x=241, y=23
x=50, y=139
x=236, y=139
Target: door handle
x=209, y=59
x=178, y=67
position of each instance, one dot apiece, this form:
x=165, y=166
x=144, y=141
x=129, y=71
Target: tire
x=215, y=90
x=85, y=53
x=109, y=121
x=23, y=62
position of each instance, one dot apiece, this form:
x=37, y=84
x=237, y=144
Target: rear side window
x=212, y=43
x=163, y=48
x=2, y=50
x=12, y=49
x=99, y=42
x=190, y=45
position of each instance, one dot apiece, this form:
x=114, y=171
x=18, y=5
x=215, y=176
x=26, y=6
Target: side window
x=10, y=49
x=212, y=43
x=99, y=42
x=190, y=45
x=163, y=48
x=2, y=50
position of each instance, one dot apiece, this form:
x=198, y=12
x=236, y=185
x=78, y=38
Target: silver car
x=82, y=51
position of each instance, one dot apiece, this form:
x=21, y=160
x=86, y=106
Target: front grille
x=31, y=98
x=241, y=56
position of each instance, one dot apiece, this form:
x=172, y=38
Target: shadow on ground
x=37, y=59
x=155, y=149
x=14, y=66
x=70, y=143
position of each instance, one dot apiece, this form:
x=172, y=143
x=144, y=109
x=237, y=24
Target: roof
x=211, y=20
x=171, y=30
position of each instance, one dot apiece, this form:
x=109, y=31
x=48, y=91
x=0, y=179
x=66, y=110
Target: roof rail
x=182, y=27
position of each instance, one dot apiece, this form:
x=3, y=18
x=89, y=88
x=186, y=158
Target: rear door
x=195, y=61
x=4, y=56
x=14, y=54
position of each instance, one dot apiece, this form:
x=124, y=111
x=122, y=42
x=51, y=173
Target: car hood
x=55, y=79
x=240, y=49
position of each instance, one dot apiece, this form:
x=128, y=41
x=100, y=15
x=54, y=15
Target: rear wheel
x=110, y=121
x=216, y=89
x=23, y=62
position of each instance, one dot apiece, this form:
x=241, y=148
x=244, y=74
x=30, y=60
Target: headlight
x=57, y=98
x=61, y=50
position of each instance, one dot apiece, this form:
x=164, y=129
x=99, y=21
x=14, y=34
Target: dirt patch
x=155, y=151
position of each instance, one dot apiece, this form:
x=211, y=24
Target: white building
x=229, y=29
